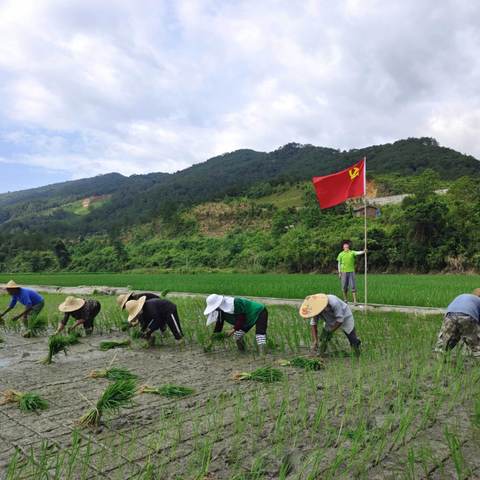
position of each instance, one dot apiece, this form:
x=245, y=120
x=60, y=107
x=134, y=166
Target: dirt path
x=374, y=307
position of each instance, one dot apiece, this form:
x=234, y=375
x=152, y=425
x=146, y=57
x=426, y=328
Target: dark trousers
x=172, y=320
x=262, y=323
x=353, y=339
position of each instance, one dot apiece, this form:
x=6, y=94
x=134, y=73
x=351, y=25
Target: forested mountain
x=129, y=211
x=139, y=198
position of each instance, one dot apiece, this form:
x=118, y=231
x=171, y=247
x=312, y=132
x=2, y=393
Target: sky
x=134, y=86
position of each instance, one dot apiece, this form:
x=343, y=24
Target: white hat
x=123, y=299
x=71, y=304
x=134, y=307
x=213, y=302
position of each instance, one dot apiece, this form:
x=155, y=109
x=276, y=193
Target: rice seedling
x=27, y=401
x=59, y=343
x=109, y=344
x=303, y=362
x=167, y=390
x=35, y=325
x=116, y=396
x=215, y=337
x=114, y=374
x=263, y=374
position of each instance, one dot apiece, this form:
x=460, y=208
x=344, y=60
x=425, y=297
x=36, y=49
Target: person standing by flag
x=332, y=190
x=346, y=269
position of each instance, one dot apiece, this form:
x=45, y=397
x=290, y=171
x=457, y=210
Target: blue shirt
x=467, y=304
x=26, y=297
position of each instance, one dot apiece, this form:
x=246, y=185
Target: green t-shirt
x=347, y=261
x=250, y=309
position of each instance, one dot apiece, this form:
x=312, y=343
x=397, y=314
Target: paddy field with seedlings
x=396, y=289
x=205, y=411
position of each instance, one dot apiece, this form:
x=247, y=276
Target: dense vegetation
x=152, y=221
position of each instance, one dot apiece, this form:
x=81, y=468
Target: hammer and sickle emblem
x=354, y=173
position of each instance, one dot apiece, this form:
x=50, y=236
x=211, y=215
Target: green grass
x=420, y=290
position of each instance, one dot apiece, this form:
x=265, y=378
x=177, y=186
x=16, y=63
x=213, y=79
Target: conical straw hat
x=134, y=307
x=476, y=292
x=123, y=299
x=71, y=304
x=313, y=305
x=12, y=284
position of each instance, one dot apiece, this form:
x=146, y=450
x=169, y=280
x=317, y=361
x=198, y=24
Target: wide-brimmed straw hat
x=123, y=299
x=71, y=304
x=11, y=284
x=134, y=307
x=313, y=305
x=213, y=302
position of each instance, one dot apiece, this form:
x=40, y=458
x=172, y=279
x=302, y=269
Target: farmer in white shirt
x=336, y=314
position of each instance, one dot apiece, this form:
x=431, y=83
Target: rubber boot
x=262, y=350
x=356, y=349
x=240, y=345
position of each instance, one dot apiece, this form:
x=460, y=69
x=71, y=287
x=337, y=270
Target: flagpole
x=365, y=227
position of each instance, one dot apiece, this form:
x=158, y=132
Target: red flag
x=338, y=187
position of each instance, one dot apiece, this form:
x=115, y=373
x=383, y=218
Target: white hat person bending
x=336, y=314
x=242, y=314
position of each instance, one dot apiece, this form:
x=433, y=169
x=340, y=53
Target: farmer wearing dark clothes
x=153, y=315
x=83, y=311
x=123, y=299
x=336, y=314
x=462, y=323
x=242, y=314
x=30, y=299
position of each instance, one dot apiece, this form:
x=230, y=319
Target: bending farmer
x=242, y=314
x=153, y=315
x=123, y=299
x=336, y=314
x=461, y=323
x=30, y=299
x=83, y=311
x=346, y=269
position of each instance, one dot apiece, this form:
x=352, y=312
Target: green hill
x=232, y=207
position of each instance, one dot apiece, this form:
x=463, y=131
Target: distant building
x=372, y=211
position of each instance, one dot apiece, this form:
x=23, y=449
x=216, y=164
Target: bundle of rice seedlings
x=109, y=344
x=263, y=374
x=57, y=344
x=113, y=373
x=27, y=401
x=303, y=362
x=216, y=337
x=136, y=334
x=167, y=390
x=116, y=396
x=125, y=327
x=35, y=325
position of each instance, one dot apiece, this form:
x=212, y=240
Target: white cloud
x=143, y=85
